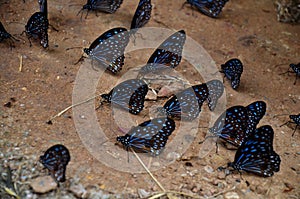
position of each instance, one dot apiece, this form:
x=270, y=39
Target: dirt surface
x=247, y=30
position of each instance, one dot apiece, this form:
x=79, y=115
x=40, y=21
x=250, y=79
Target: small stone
x=78, y=190
x=208, y=169
x=156, y=164
x=231, y=195
x=143, y=193
x=151, y=96
x=43, y=184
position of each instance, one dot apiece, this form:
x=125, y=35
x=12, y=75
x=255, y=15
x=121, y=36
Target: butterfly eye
x=56, y=159
x=149, y=137
x=167, y=55
x=233, y=70
x=107, y=51
x=256, y=154
x=128, y=95
x=142, y=14
x=211, y=8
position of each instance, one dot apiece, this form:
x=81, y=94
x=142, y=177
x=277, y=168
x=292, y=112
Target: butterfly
x=142, y=14
x=108, y=6
x=233, y=70
x=256, y=154
x=215, y=91
x=169, y=53
x=108, y=49
x=37, y=25
x=56, y=159
x=296, y=69
x=295, y=119
x=149, y=137
x=129, y=95
x=5, y=35
x=238, y=122
x=211, y=8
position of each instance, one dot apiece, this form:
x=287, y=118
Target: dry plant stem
x=21, y=63
x=72, y=106
x=148, y=171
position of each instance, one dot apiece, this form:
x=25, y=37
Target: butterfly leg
x=295, y=130
x=55, y=29
x=296, y=79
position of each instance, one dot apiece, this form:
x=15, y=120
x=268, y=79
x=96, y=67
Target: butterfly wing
x=128, y=95
x=231, y=125
x=256, y=111
x=169, y=53
x=256, y=155
x=233, y=70
x=142, y=14
x=109, y=6
x=150, y=136
x=108, y=49
x=215, y=89
x=3, y=33
x=211, y=8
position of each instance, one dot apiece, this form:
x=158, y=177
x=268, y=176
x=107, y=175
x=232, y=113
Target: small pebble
x=143, y=193
x=78, y=190
x=208, y=169
x=231, y=195
x=43, y=184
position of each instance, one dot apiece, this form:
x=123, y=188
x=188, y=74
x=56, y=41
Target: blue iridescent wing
x=231, y=125
x=142, y=14
x=233, y=70
x=256, y=111
x=129, y=95
x=168, y=54
x=211, y=8
x=149, y=137
x=215, y=89
x=256, y=155
x=108, y=49
x=55, y=160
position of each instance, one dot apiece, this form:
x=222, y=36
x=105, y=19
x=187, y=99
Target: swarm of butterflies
x=237, y=125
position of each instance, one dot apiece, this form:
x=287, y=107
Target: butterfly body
x=56, y=159
x=107, y=6
x=149, y=137
x=128, y=95
x=211, y=8
x=108, y=49
x=233, y=70
x=238, y=122
x=256, y=154
x=167, y=55
x=142, y=14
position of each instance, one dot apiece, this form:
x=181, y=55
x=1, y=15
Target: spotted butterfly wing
x=5, y=35
x=296, y=69
x=129, y=95
x=186, y=104
x=211, y=8
x=108, y=6
x=142, y=14
x=233, y=70
x=256, y=111
x=215, y=89
x=149, y=137
x=231, y=125
x=169, y=54
x=256, y=154
x=56, y=159
x=108, y=49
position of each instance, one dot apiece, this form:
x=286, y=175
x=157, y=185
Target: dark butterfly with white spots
x=56, y=159
x=142, y=14
x=296, y=70
x=37, y=25
x=215, y=91
x=168, y=54
x=4, y=35
x=295, y=119
x=187, y=104
x=233, y=70
x=108, y=49
x=128, y=95
x=149, y=137
x=256, y=154
x=238, y=122
x=211, y=8
x=108, y=6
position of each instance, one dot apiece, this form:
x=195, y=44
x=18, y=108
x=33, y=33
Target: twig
x=21, y=63
x=72, y=106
